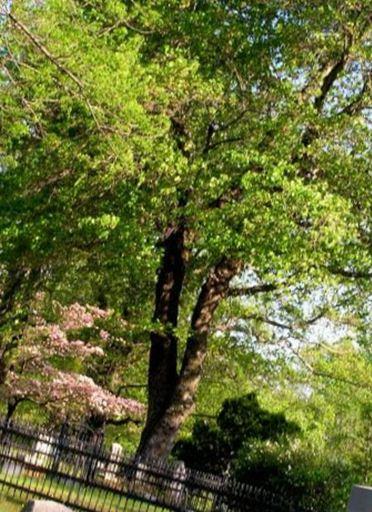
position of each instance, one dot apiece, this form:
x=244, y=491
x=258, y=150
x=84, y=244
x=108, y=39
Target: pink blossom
x=98, y=312
x=104, y=335
x=36, y=377
x=56, y=333
x=77, y=316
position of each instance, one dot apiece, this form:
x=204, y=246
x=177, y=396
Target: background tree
x=49, y=368
x=329, y=398
x=326, y=393
x=213, y=448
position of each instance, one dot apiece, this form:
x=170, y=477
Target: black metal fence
x=76, y=470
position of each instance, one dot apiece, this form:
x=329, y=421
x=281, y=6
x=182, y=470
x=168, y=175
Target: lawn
x=93, y=499
x=9, y=505
x=13, y=505
x=24, y=483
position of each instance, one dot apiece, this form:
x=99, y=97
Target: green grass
x=10, y=505
x=23, y=483
x=75, y=494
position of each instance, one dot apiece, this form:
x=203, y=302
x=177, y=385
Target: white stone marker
x=360, y=499
x=42, y=453
x=178, y=486
x=44, y=506
x=112, y=468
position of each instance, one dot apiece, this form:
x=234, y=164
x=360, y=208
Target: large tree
x=223, y=143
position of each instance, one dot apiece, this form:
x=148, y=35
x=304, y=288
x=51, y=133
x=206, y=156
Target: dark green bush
x=307, y=480
x=213, y=447
x=264, y=449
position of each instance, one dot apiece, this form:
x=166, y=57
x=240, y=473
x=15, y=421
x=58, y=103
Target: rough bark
x=17, y=280
x=11, y=409
x=7, y=300
x=162, y=374
x=11, y=288
x=161, y=438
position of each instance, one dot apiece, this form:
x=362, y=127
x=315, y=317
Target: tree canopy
x=166, y=158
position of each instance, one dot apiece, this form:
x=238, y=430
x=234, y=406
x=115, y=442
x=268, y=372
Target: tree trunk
x=11, y=409
x=7, y=300
x=17, y=280
x=10, y=290
x=3, y=369
x=161, y=436
x=162, y=374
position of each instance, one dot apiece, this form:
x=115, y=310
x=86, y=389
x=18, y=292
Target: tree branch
x=326, y=375
x=126, y=24
x=330, y=75
x=289, y=327
x=252, y=290
x=214, y=127
x=223, y=141
x=357, y=104
x=44, y=50
x=123, y=421
x=351, y=274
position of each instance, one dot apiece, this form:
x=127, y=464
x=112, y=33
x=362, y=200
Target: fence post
x=94, y=448
x=61, y=444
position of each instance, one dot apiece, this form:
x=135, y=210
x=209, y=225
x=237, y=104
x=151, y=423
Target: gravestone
x=116, y=450
x=12, y=468
x=112, y=469
x=144, y=481
x=360, y=499
x=44, y=506
x=178, y=494
x=42, y=453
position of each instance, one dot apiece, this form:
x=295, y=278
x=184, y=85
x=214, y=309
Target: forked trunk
x=162, y=374
x=161, y=436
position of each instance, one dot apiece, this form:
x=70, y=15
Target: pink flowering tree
x=48, y=367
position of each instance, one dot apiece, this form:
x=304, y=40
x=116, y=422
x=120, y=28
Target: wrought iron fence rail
x=79, y=471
